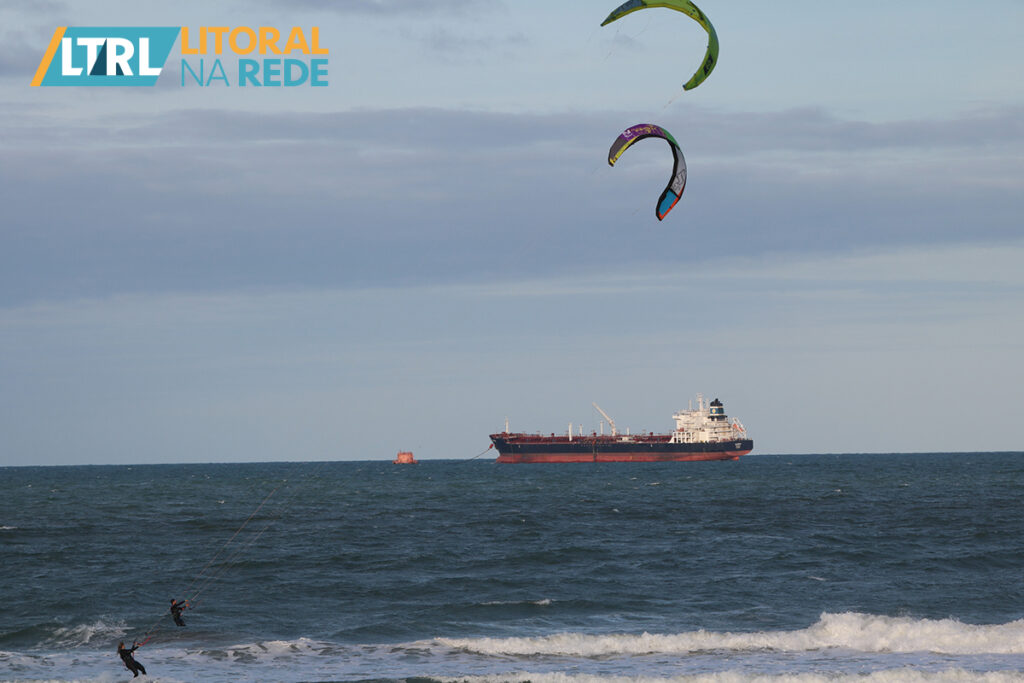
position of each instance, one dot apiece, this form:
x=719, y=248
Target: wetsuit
x=129, y=660
x=176, y=609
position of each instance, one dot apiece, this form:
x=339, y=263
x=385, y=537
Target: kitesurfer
x=176, y=609
x=129, y=659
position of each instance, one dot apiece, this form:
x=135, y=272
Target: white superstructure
x=706, y=424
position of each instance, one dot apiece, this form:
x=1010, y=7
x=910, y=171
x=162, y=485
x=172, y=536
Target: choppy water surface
x=789, y=568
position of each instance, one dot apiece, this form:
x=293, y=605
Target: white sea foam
x=261, y=650
x=544, y=602
x=852, y=631
x=887, y=676
x=304, y=659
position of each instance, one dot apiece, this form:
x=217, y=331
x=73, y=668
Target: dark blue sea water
x=903, y=567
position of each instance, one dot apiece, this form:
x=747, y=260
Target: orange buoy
x=404, y=458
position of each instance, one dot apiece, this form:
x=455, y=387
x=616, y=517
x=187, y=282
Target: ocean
x=867, y=568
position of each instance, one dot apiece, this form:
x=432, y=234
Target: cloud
x=18, y=58
x=797, y=130
x=211, y=198
x=52, y=6
x=395, y=7
x=455, y=46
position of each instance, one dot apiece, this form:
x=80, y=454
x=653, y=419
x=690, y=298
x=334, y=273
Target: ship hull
x=562, y=450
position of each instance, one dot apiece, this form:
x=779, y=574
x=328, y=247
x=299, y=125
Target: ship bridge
x=706, y=423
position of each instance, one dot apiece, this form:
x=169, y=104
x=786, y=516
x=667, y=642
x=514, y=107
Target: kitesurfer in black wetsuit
x=129, y=660
x=176, y=609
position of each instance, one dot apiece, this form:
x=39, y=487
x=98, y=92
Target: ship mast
x=611, y=422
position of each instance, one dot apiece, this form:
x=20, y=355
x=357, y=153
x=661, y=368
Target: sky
x=434, y=242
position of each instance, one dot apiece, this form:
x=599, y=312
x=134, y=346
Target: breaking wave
x=888, y=676
x=53, y=636
x=85, y=634
x=851, y=631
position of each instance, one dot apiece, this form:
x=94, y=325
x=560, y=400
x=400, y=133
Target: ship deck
x=554, y=439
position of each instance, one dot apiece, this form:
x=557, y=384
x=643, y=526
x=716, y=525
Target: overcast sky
x=435, y=242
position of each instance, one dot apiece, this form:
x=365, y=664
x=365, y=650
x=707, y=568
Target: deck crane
x=611, y=422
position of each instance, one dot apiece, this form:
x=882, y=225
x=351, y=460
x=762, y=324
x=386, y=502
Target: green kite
x=686, y=7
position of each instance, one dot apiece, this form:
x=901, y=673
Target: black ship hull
x=516, y=448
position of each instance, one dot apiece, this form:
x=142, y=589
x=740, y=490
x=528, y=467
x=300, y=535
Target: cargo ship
x=701, y=433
